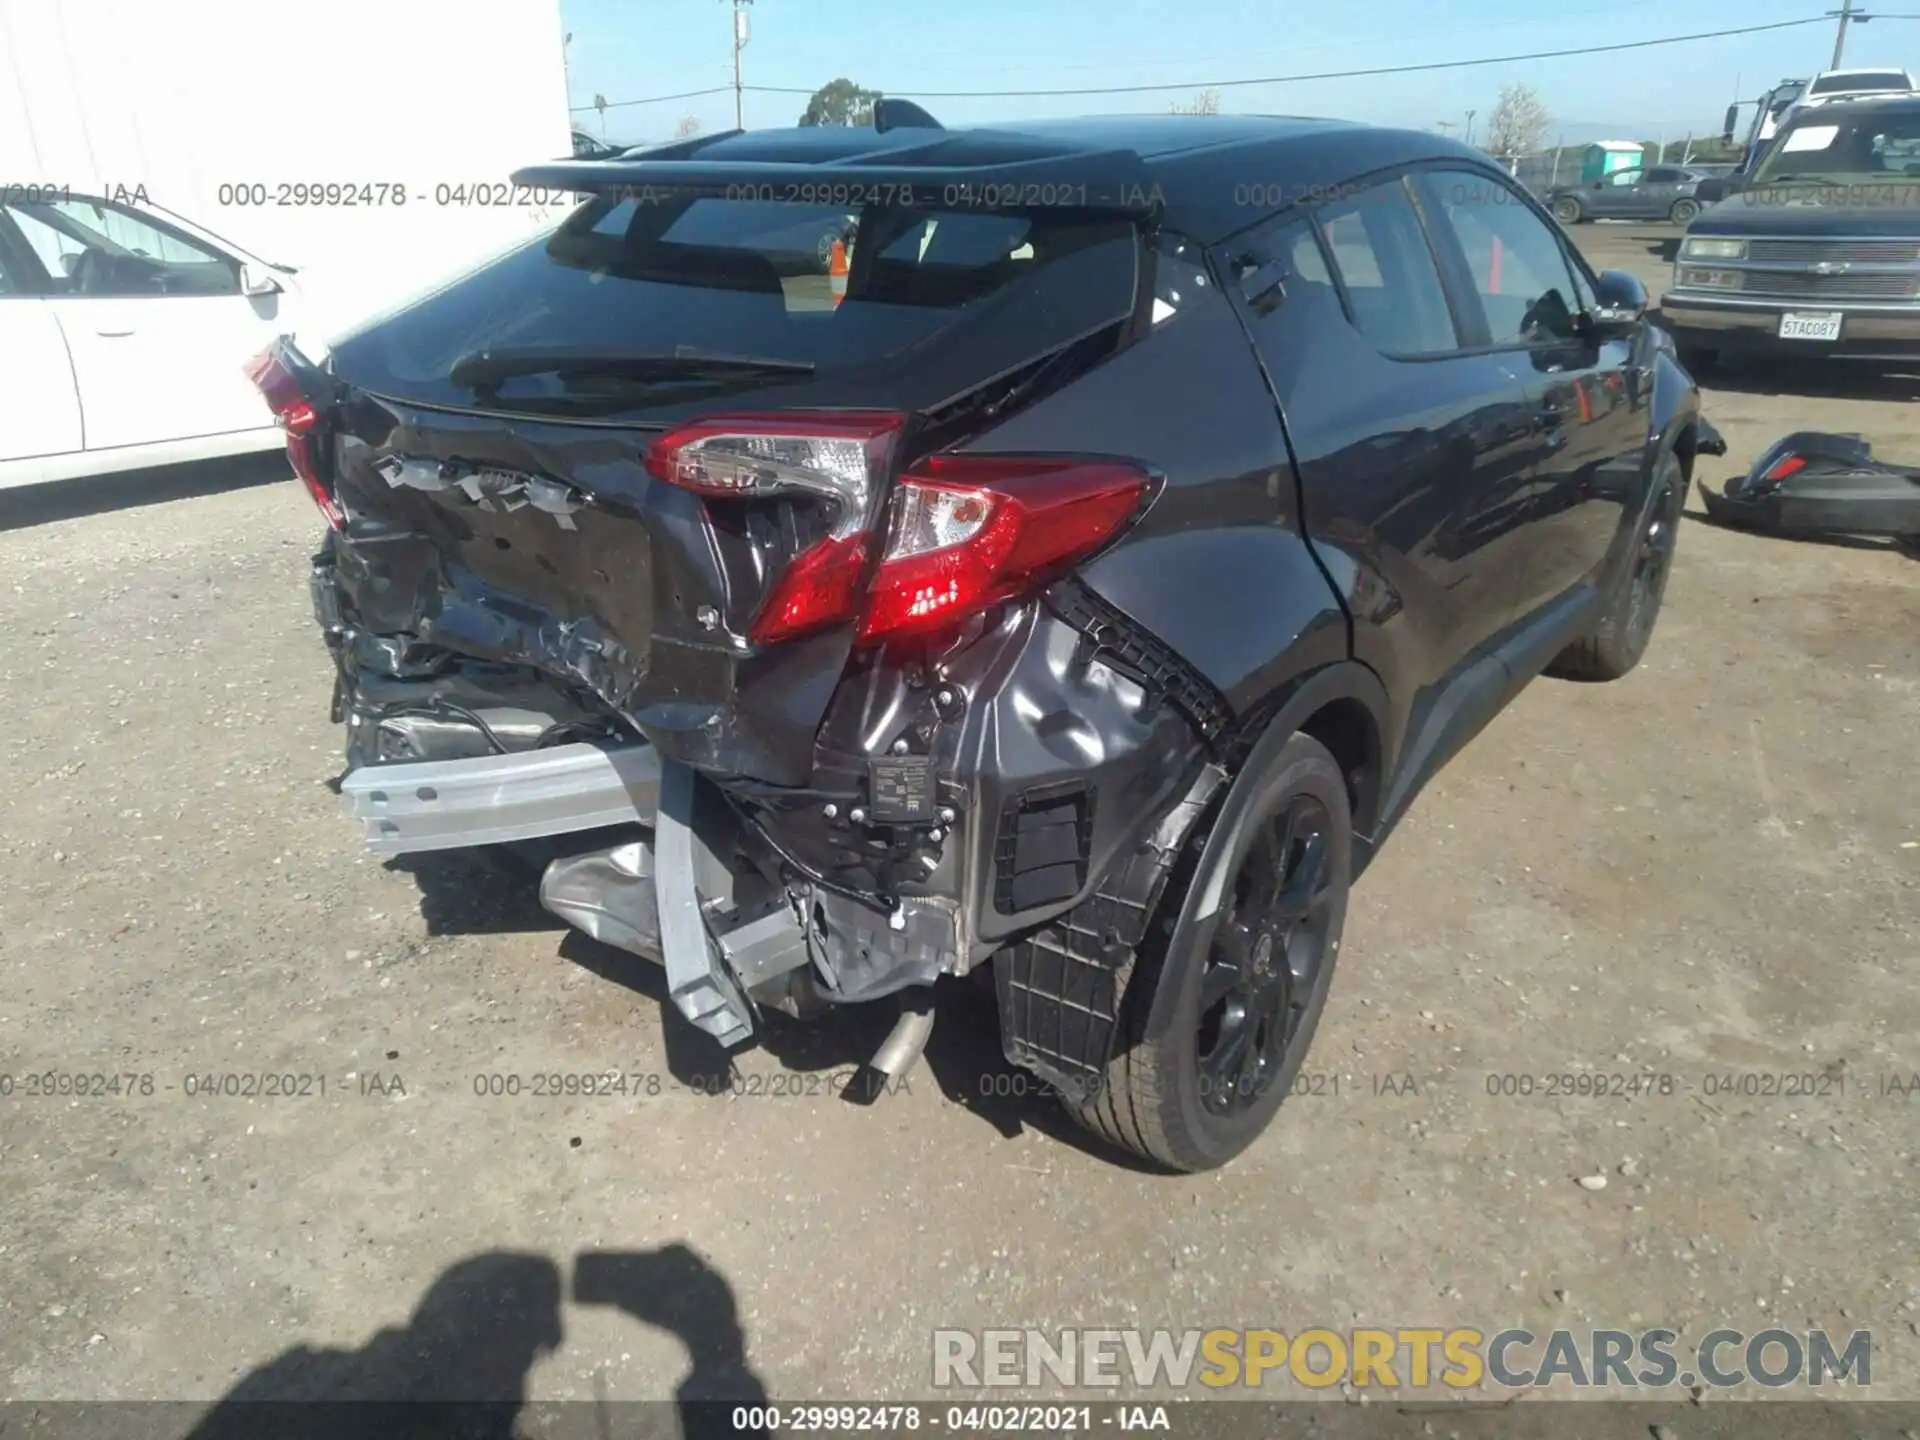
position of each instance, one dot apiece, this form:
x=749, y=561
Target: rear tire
x=1619, y=638
x=1683, y=211
x=1218, y=1011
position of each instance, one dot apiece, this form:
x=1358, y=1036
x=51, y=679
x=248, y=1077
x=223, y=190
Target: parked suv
x=1652, y=192
x=1085, y=596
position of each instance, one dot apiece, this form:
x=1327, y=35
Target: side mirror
x=1620, y=304
x=256, y=281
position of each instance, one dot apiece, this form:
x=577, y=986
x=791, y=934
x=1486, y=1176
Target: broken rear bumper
x=497, y=799
x=1813, y=484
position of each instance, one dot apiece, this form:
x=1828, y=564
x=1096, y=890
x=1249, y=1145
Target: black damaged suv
x=1082, y=585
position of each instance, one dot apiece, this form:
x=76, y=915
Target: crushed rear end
x=643, y=531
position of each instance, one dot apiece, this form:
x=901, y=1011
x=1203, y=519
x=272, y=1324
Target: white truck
x=181, y=183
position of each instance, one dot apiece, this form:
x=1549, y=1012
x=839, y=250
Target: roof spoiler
x=988, y=170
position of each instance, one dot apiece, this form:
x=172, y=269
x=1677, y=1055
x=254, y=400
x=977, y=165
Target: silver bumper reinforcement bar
x=493, y=799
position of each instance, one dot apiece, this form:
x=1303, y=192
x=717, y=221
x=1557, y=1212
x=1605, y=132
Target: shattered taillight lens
x=964, y=531
x=841, y=456
x=296, y=416
x=969, y=531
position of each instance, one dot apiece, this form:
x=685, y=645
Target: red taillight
x=821, y=586
x=838, y=454
x=296, y=416
x=965, y=532
x=1786, y=465
x=969, y=531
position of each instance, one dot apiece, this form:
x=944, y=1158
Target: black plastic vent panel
x=1109, y=636
x=1040, y=857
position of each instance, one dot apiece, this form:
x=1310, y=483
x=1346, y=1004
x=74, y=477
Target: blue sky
x=632, y=49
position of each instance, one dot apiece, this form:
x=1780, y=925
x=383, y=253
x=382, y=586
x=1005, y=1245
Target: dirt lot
x=1709, y=870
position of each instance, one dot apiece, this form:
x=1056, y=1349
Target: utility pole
x=739, y=44
x=1444, y=126
x=1845, y=13
x=1470, y=115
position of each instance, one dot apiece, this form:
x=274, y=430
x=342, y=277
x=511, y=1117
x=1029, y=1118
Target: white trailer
x=181, y=182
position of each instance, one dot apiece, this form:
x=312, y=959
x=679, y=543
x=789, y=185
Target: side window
x=1662, y=177
x=95, y=249
x=1392, y=285
x=1518, y=270
x=1626, y=177
x=1284, y=266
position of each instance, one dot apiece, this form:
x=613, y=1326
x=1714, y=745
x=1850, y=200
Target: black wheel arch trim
x=1201, y=904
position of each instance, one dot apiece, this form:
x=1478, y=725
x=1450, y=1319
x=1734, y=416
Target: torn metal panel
x=609, y=894
x=697, y=976
x=1813, y=484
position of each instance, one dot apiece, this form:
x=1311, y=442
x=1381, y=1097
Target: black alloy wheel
x=1220, y=1002
x=1266, y=954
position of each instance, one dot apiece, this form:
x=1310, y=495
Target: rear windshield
x=1861, y=80
x=850, y=291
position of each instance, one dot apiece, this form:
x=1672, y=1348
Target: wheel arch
x=1344, y=707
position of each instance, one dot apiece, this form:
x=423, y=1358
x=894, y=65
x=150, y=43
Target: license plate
x=1810, y=325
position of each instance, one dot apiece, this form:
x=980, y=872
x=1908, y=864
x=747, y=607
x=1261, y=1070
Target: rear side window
x=1860, y=80
x=753, y=277
x=1392, y=286
x=1517, y=266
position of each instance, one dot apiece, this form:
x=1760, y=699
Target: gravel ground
x=1711, y=869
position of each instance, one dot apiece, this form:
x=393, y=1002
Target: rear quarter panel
x=1217, y=568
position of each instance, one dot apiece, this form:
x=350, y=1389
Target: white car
x=124, y=330
x=1831, y=85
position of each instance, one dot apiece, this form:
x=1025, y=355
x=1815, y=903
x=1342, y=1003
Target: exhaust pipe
x=907, y=1041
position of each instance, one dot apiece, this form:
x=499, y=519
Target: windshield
x=1862, y=80
x=1845, y=149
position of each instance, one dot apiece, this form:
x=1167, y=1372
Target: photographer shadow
x=458, y=1368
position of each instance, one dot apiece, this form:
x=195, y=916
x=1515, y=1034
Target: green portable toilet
x=1603, y=157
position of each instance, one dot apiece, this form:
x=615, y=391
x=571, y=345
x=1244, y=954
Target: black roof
x=1209, y=175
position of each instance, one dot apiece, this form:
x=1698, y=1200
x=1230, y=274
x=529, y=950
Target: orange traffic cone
x=837, y=272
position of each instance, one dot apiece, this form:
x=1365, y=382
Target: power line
x=1333, y=74
x=662, y=99
x=1279, y=79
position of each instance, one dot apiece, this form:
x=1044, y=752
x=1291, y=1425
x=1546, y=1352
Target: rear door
x=1661, y=189
x=40, y=412
x=1616, y=195
x=1409, y=448
x=155, y=320
x=1587, y=424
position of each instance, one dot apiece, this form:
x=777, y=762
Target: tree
x=840, y=102
x=1518, y=125
x=687, y=128
x=1204, y=102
